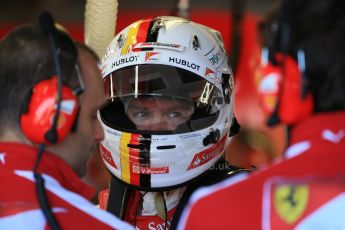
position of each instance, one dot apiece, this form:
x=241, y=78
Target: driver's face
x=158, y=114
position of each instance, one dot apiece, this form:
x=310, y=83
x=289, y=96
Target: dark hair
x=318, y=26
x=25, y=59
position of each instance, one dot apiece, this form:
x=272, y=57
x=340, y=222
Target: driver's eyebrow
x=137, y=107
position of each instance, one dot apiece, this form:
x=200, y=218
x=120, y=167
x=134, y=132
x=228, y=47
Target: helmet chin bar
x=171, y=160
x=159, y=189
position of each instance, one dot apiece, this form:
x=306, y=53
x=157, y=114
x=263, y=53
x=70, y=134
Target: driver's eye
x=174, y=114
x=141, y=114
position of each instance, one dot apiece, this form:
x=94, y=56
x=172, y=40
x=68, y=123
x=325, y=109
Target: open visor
x=159, y=98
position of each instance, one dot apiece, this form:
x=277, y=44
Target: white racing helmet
x=169, y=88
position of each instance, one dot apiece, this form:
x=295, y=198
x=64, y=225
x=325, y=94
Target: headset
x=283, y=89
x=52, y=109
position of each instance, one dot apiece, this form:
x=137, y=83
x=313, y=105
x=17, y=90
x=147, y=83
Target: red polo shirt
x=67, y=194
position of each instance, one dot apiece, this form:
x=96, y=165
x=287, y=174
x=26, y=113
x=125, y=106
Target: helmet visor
x=160, y=98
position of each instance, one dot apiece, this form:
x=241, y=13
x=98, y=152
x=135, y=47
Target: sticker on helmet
x=125, y=60
x=150, y=170
x=158, y=45
x=106, y=155
x=152, y=56
x=216, y=57
x=185, y=63
x=207, y=155
x=209, y=72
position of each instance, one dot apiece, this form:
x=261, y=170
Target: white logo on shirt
x=333, y=137
x=2, y=158
x=154, y=226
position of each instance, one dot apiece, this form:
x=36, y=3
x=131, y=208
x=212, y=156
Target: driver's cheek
x=98, y=131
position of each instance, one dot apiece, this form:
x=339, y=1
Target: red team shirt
x=67, y=194
x=304, y=191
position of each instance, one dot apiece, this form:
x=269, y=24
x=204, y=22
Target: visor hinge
x=212, y=137
x=226, y=85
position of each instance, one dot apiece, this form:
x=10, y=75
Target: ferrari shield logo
x=290, y=202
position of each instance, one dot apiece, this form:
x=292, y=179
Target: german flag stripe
x=136, y=34
x=143, y=31
x=152, y=36
x=135, y=156
x=130, y=158
x=124, y=156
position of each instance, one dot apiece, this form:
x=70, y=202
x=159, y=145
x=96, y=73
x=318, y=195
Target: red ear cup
x=292, y=106
x=38, y=119
x=280, y=91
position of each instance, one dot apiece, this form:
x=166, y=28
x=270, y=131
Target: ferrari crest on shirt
x=290, y=201
x=290, y=204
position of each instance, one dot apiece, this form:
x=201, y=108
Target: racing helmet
x=169, y=109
